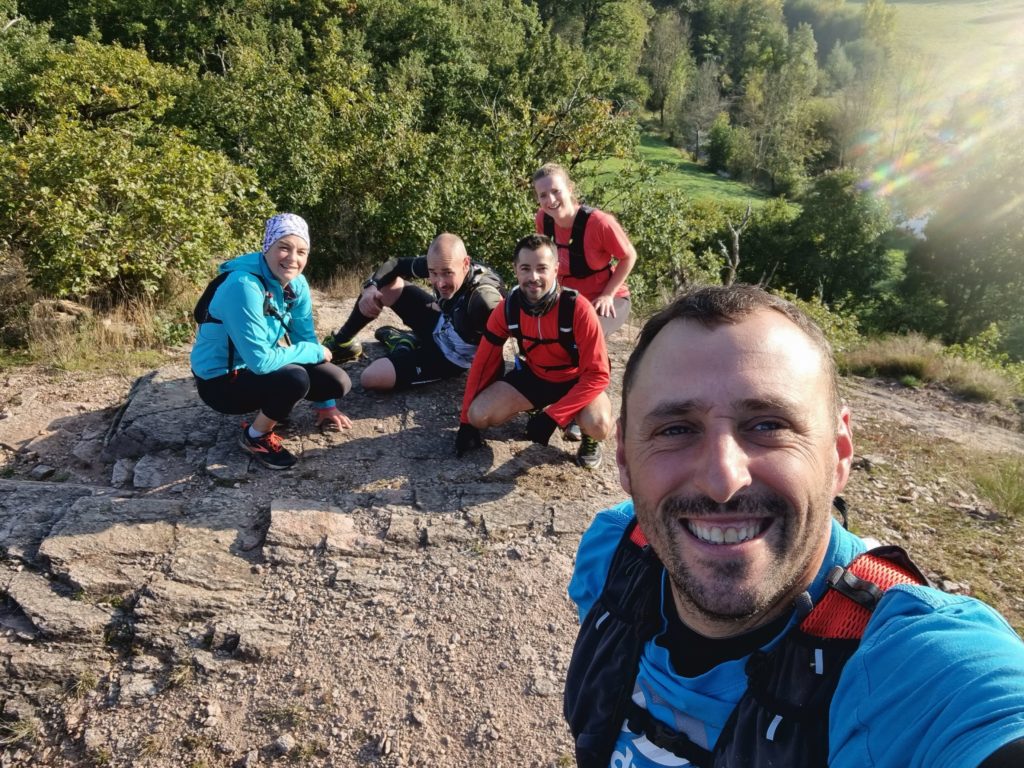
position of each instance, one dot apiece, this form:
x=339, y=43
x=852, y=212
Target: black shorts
x=538, y=391
x=427, y=362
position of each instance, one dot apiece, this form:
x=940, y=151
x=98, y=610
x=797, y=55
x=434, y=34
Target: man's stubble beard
x=719, y=597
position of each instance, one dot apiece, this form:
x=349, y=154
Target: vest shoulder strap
x=481, y=275
x=201, y=312
x=770, y=724
x=578, y=266
x=512, y=312
x=566, y=316
x=606, y=657
x=854, y=591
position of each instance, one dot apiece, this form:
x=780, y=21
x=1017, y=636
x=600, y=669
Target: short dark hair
x=714, y=305
x=533, y=243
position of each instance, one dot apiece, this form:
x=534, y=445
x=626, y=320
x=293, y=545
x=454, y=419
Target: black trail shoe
x=590, y=454
x=267, y=450
x=343, y=351
x=395, y=339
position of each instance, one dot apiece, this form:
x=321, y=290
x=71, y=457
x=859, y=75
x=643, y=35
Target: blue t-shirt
x=937, y=682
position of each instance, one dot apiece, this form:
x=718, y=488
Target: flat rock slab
x=55, y=615
x=111, y=546
x=300, y=528
x=29, y=510
x=163, y=411
x=512, y=516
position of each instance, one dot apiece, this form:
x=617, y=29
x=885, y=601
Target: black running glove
x=540, y=427
x=467, y=439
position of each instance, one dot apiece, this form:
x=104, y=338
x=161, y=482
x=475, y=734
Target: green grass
x=913, y=359
x=962, y=44
x=951, y=29
x=19, y=732
x=1002, y=482
x=677, y=171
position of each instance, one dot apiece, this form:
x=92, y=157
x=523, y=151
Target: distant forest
x=142, y=141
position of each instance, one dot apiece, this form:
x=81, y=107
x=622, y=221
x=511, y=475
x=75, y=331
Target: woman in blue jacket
x=256, y=349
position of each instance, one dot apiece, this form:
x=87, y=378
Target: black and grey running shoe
x=590, y=454
x=343, y=351
x=395, y=339
x=267, y=449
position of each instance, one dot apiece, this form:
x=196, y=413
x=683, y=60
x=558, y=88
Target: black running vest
x=578, y=266
x=781, y=721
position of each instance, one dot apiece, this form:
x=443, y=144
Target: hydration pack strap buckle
x=862, y=592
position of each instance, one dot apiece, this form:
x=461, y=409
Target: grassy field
x=676, y=171
x=964, y=44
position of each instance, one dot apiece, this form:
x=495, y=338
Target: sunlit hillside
x=957, y=85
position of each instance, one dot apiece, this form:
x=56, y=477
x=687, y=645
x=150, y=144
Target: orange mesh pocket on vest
x=840, y=618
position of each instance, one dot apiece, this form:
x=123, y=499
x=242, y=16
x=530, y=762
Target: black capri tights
x=275, y=393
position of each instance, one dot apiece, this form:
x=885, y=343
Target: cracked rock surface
x=168, y=603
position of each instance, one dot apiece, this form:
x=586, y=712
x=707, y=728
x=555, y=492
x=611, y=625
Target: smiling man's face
x=732, y=451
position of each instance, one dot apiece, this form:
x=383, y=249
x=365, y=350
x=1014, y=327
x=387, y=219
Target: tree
x=837, y=250
x=667, y=61
x=749, y=32
x=775, y=111
x=611, y=33
x=704, y=103
x=973, y=252
x=857, y=101
x=731, y=255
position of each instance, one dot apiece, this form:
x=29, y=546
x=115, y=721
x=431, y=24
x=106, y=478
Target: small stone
x=87, y=451
x=121, y=474
x=41, y=472
x=284, y=744
x=542, y=686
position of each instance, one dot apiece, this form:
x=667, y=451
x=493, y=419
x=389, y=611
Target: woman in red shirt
x=594, y=254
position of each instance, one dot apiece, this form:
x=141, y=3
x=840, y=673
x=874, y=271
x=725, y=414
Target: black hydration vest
x=457, y=307
x=566, y=336
x=578, y=266
x=780, y=721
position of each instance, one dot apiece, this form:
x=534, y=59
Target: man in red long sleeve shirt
x=558, y=384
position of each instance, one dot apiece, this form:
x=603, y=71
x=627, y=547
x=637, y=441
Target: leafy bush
x=840, y=327
x=100, y=214
x=672, y=235
x=720, y=141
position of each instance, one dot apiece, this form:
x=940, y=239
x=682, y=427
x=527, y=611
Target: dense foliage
x=143, y=141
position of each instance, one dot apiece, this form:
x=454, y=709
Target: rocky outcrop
x=188, y=563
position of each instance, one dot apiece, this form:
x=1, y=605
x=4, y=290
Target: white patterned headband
x=282, y=225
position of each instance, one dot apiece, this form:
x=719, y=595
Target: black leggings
x=275, y=393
